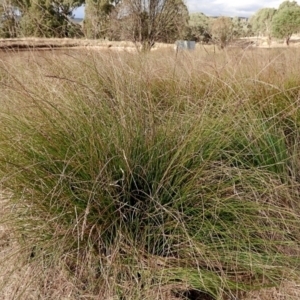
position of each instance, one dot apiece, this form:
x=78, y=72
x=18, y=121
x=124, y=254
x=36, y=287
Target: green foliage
x=199, y=27
x=262, y=21
x=286, y=21
x=288, y=4
x=199, y=20
x=281, y=23
x=96, y=20
x=8, y=20
x=241, y=27
x=45, y=18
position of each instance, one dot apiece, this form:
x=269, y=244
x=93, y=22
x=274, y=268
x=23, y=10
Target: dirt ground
x=53, y=43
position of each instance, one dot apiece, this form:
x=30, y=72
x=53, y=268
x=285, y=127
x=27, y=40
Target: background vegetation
x=281, y=23
x=151, y=176
x=141, y=21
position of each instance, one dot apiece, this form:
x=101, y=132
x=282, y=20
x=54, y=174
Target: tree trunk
x=269, y=41
x=147, y=45
x=287, y=40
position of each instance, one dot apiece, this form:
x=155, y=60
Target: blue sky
x=231, y=8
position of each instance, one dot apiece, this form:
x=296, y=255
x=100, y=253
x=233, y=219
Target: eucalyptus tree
x=286, y=21
x=47, y=18
x=8, y=19
x=261, y=22
x=97, y=16
x=148, y=21
x=199, y=27
x=241, y=27
x=222, y=30
x=287, y=4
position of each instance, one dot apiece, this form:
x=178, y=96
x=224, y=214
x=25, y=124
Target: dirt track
x=39, y=44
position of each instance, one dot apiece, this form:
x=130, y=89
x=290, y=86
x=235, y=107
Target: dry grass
x=219, y=129
x=56, y=43
x=287, y=290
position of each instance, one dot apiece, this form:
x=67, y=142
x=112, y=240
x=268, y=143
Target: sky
x=230, y=8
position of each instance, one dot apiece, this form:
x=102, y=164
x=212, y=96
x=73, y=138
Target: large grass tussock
x=132, y=175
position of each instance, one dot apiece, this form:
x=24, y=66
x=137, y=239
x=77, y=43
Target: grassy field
x=149, y=176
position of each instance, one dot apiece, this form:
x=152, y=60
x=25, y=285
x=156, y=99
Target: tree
x=47, y=18
x=148, y=21
x=8, y=19
x=199, y=29
x=287, y=4
x=222, y=30
x=286, y=21
x=96, y=19
x=261, y=22
x=241, y=27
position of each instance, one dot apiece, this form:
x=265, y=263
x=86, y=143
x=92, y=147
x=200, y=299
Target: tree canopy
x=96, y=20
x=261, y=21
x=222, y=30
x=8, y=19
x=279, y=23
x=141, y=21
x=286, y=21
x=149, y=21
x=288, y=4
x=199, y=27
x=40, y=18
